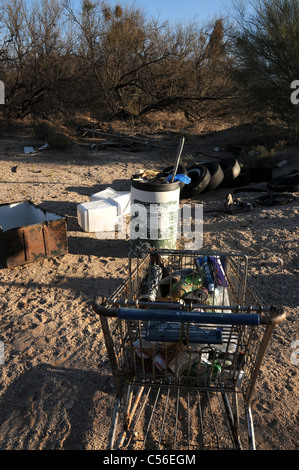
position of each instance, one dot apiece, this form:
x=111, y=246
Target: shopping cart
x=185, y=335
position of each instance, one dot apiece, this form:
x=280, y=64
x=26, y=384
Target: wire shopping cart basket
x=185, y=335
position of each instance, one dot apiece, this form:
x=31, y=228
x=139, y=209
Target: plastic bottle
x=220, y=297
x=218, y=271
x=203, y=265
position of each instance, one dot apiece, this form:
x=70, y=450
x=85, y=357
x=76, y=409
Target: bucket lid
x=155, y=187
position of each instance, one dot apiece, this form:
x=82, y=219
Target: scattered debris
x=117, y=140
x=273, y=199
x=28, y=150
x=44, y=147
x=40, y=149
x=285, y=183
x=269, y=199
x=145, y=175
x=233, y=207
x=281, y=164
x=94, y=147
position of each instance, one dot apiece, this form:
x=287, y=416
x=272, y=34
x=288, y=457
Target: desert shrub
x=265, y=41
x=55, y=139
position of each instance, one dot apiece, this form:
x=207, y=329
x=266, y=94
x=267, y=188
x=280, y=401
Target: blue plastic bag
x=179, y=177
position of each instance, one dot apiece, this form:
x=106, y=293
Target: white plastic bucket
x=154, y=215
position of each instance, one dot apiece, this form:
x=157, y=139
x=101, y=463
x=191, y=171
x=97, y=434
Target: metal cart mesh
x=185, y=336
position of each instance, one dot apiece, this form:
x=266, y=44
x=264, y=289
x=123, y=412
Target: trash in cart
x=185, y=358
x=206, y=281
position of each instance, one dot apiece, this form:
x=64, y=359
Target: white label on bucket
x=159, y=221
x=163, y=220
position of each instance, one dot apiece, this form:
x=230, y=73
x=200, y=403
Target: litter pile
x=227, y=173
x=115, y=141
x=106, y=209
x=194, y=179
x=39, y=149
x=163, y=176
x=204, y=177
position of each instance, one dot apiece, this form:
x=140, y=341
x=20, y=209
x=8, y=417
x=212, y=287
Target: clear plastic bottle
x=220, y=297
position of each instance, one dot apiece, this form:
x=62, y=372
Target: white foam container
x=123, y=201
x=121, y=198
x=97, y=216
x=105, y=211
x=105, y=194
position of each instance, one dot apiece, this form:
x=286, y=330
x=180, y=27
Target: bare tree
x=109, y=61
x=36, y=56
x=266, y=53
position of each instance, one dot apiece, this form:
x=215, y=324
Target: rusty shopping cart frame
x=186, y=336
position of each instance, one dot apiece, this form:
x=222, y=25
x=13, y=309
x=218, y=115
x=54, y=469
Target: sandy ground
x=55, y=385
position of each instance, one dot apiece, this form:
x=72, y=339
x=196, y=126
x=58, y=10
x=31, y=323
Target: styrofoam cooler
x=105, y=194
x=97, y=216
x=104, y=212
x=121, y=198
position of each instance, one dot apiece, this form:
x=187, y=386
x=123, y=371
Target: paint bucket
x=154, y=215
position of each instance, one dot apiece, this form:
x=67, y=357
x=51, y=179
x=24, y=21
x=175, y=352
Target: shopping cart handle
x=99, y=305
x=194, y=317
